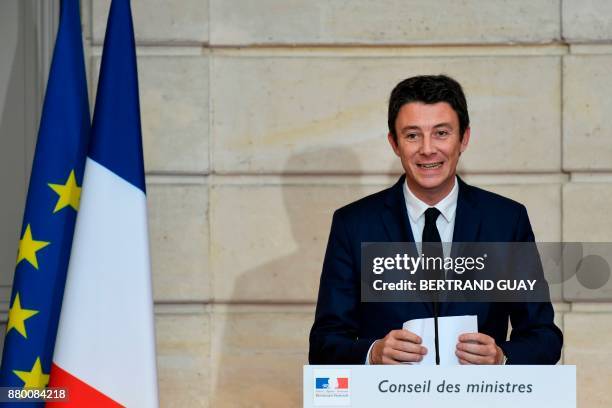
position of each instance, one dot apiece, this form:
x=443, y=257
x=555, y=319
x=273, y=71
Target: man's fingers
x=470, y=358
x=396, y=347
x=406, y=335
x=389, y=360
x=403, y=357
x=474, y=358
x=408, y=347
x=479, y=349
x=464, y=362
x=476, y=337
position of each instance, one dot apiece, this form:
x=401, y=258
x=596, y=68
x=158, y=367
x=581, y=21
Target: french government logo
x=332, y=387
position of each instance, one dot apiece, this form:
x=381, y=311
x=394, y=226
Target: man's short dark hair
x=429, y=89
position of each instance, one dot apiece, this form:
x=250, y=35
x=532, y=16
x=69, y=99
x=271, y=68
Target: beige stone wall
x=262, y=117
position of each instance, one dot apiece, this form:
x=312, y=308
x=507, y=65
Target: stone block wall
x=262, y=117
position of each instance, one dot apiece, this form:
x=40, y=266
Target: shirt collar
x=447, y=206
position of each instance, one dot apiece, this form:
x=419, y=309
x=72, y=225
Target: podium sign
x=442, y=386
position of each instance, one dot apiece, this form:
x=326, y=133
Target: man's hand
x=478, y=348
x=397, y=347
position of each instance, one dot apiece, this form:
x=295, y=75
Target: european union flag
x=50, y=213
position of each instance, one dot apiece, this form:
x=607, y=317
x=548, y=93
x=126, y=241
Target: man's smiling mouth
x=430, y=165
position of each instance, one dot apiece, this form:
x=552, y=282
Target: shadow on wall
x=12, y=139
x=262, y=348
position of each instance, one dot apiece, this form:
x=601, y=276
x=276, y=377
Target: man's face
x=429, y=145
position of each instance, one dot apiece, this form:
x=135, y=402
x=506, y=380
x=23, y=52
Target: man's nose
x=427, y=147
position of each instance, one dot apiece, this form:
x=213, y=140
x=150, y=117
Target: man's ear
x=393, y=143
x=465, y=140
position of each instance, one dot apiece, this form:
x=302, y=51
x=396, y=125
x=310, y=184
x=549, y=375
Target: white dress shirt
x=445, y=222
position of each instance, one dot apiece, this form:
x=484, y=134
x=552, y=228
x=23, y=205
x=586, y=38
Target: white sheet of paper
x=449, y=330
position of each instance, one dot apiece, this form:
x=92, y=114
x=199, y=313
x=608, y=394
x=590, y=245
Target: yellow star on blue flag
x=17, y=317
x=35, y=378
x=69, y=193
x=28, y=247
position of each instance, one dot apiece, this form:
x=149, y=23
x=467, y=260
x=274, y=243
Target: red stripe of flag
x=80, y=394
x=343, y=383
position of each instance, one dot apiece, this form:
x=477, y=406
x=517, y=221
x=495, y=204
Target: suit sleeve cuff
x=367, y=360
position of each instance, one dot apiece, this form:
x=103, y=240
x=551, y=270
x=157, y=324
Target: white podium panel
x=362, y=386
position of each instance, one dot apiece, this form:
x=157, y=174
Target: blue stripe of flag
x=116, y=133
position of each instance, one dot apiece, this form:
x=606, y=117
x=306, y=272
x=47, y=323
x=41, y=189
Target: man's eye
x=411, y=136
x=442, y=133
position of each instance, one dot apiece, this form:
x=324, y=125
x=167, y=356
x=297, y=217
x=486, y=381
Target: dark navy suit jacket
x=344, y=327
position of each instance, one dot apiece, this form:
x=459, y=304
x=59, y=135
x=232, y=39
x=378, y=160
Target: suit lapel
x=395, y=215
x=467, y=227
x=467, y=217
x=397, y=225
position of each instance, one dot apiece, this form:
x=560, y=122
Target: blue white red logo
x=339, y=383
x=332, y=387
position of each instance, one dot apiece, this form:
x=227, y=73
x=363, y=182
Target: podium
x=361, y=386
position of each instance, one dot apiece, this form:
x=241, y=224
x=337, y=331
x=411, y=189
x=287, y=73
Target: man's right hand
x=397, y=347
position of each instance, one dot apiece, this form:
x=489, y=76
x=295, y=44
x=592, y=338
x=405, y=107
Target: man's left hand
x=478, y=348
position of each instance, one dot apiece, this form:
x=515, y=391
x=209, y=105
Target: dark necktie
x=430, y=232
x=432, y=248
x=432, y=244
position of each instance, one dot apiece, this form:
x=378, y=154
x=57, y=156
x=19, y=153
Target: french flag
x=105, y=346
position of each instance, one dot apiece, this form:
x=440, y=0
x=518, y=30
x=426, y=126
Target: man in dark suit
x=428, y=130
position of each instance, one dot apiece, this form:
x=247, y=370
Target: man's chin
x=430, y=183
